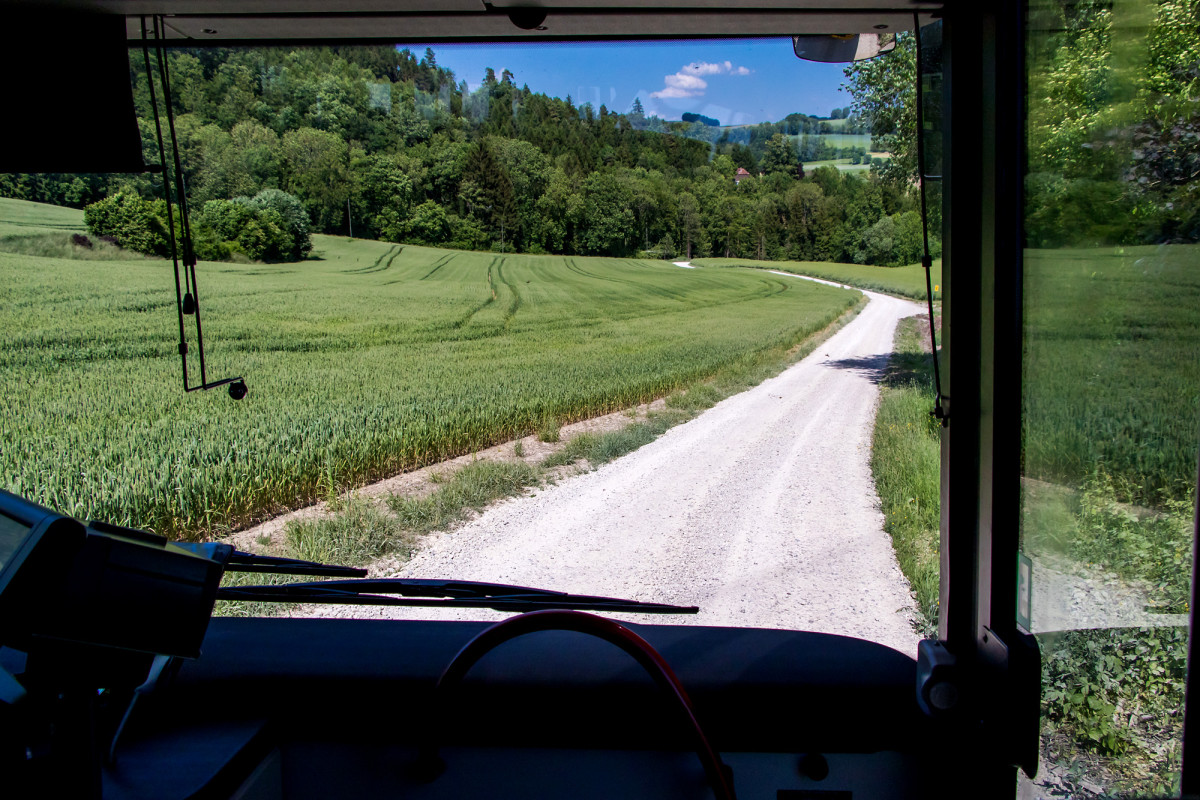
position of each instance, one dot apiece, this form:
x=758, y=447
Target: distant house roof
x=741, y=173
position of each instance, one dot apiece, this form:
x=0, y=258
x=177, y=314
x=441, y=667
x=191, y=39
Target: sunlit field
x=903, y=281
x=1112, y=341
x=22, y=218
x=368, y=360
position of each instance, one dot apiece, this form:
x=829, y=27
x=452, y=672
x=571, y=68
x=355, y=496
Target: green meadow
x=903, y=281
x=862, y=140
x=1112, y=377
x=22, y=218
x=367, y=360
x=843, y=164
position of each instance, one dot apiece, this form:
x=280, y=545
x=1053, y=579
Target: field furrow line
x=387, y=265
x=441, y=262
x=373, y=266
x=513, y=304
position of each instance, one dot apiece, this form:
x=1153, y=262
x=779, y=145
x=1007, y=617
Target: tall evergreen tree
x=487, y=190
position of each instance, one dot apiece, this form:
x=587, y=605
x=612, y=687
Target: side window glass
x=1111, y=384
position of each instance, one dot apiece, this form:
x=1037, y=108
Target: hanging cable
x=187, y=295
x=185, y=227
x=162, y=161
x=939, y=410
x=159, y=33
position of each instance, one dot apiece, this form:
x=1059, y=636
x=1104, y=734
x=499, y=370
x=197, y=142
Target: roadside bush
x=131, y=222
x=291, y=217
x=892, y=241
x=1140, y=544
x=271, y=226
x=665, y=249
x=1118, y=692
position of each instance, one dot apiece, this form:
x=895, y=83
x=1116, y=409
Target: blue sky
x=736, y=81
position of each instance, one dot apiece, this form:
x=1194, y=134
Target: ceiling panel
x=447, y=27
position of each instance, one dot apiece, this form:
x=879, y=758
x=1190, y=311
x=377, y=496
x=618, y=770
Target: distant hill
x=388, y=145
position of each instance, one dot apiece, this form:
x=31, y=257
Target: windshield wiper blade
x=435, y=594
x=240, y=561
x=276, y=565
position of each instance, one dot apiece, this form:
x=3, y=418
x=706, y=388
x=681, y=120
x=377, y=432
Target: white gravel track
x=761, y=511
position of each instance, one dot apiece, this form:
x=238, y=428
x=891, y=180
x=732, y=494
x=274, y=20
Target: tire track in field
x=574, y=267
x=375, y=266
x=467, y=318
x=774, y=286
x=782, y=287
x=491, y=299
x=441, y=262
x=388, y=265
x=670, y=294
x=513, y=304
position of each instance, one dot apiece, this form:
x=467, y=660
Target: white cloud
x=705, y=68
x=673, y=92
x=681, y=85
x=688, y=83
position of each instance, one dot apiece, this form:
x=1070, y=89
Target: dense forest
x=375, y=142
x=380, y=143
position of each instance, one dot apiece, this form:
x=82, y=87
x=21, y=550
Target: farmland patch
x=368, y=360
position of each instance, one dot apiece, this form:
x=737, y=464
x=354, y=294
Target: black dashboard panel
x=344, y=708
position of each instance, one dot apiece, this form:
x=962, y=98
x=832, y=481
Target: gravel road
x=761, y=511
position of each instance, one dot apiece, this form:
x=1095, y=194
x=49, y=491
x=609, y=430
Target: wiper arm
x=436, y=594
x=249, y=562
x=241, y=561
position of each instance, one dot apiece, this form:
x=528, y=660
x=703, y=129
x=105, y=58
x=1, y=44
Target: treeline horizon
x=374, y=142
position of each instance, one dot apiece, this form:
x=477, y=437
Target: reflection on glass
x=12, y=533
x=1111, y=383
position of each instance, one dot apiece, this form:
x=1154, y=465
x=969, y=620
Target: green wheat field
x=367, y=360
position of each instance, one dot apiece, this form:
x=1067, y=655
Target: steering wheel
x=431, y=765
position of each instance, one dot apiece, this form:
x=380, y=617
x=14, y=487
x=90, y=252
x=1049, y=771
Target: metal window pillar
x=995, y=726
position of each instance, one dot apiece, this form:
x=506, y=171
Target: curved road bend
x=761, y=510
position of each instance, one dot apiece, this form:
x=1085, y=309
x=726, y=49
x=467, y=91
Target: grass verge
x=906, y=463
x=75, y=246
x=470, y=489
x=1092, y=525
x=600, y=448
x=360, y=532
x=249, y=608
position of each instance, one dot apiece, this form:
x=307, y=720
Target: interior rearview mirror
x=840, y=47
